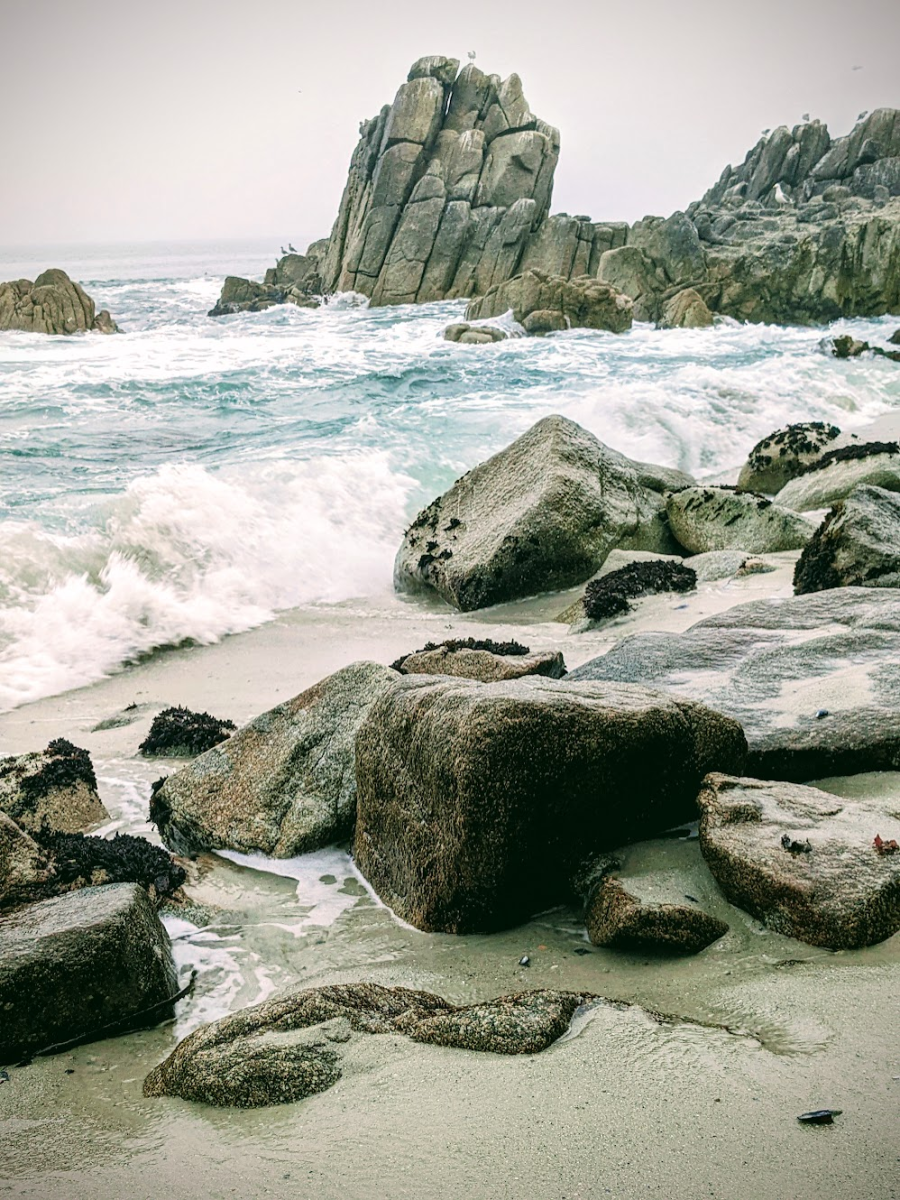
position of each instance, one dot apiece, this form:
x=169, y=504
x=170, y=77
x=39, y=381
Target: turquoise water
x=191, y=477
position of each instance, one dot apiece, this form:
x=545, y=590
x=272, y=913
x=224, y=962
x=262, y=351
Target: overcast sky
x=162, y=119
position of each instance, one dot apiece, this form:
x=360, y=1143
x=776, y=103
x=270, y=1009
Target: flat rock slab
x=804, y=862
x=774, y=665
x=285, y=1049
x=484, y=665
x=73, y=966
x=477, y=801
x=284, y=784
x=617, y=918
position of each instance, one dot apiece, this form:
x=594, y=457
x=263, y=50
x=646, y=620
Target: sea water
x=191, y=477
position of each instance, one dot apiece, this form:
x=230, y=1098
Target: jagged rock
x=541, y=514
x=25, y=870
x=294, y=280
x=81, y=965
x=445, y=188
x=615, y=917
x=715, y=518
x=180, y=733
x=557, y=303
x=857, y=545
x=848, y=347
x=803, y=861
x=686, y=310
x=471, y=816
x=784, y=454
x=474, y=335
x=284, y=1049
x=284, y=784
x=836, y=473
x=774, y=665
x=485, y=661
x=56, y=787
x=53, y=303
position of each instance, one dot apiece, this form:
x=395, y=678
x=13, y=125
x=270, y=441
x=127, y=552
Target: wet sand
x=622, y=1107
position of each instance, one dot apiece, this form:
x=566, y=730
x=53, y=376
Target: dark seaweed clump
x=609, y=595
x=65, y=766
x=123, y=859
x=849, y=453
x=502, y=648
x=180, y=733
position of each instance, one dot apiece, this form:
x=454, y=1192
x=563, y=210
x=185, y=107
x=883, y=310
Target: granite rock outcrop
x=53, y=303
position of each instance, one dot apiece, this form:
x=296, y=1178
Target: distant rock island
x=449, y=191
x=52, y=304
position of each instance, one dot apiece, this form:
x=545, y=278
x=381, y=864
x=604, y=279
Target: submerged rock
x=857, y=545
x=52, y=304
x=180, y=733
x=716, y=518
x=474, y=335
x=618, y=919
x=801, y=860
x=487, y=661
x=75, y=966
x=55, y=787
x=476, y=801
x=540, y=515
x=284, y=1049
x=785, y=454
x=835, y=474
x=772, y=665
x=284, y=784
x=543, y=303
x=848, y=347
x=295, y=280
x=686, y=310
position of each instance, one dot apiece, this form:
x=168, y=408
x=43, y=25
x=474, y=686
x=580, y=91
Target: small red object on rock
x=883, y=847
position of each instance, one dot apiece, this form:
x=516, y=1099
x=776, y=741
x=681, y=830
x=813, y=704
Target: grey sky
x=218, y=118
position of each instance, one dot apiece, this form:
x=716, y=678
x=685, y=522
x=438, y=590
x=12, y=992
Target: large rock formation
x=53, y=303
x=478, y=801
x=812, y=679
x=446, y=187
x=542, y=514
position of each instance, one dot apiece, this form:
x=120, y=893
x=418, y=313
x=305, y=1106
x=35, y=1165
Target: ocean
x=192, y=477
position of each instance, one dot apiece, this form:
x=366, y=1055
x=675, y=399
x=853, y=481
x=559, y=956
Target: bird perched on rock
x=862, y=116
x=471, y=56
x=805, y=117
x=283, y=251
x=293, y=249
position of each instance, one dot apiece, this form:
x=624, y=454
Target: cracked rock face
x=446, y=186
x=804, y=862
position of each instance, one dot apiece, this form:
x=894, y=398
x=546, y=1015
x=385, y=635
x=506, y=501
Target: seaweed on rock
x=65, y=767
x=608, y=596
x=502, y=648
x=80, y=860
x=180, y=733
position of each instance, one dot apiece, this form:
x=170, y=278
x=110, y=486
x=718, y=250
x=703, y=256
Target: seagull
x=856, y=68
x=283, y=251
x=766, y=132
x=292, y=249
x=862, y=116
x=471, y=56
x=805, y=117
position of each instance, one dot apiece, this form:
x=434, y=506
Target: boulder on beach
x=857, y=545
x=835, y=474
x=477, y=801
x=541, y=515
x=487, y=661
x=812, y=679
x=82, y=966
x=617, y=918
x=282, y=785
x=180, y=733
x=717, y=518
x=610, y=594
x=53, y=303
x=808, y=864
x=55, y=787
x=784, y=454
x=543, y=303
x=25, y=870
x=284, y=1049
